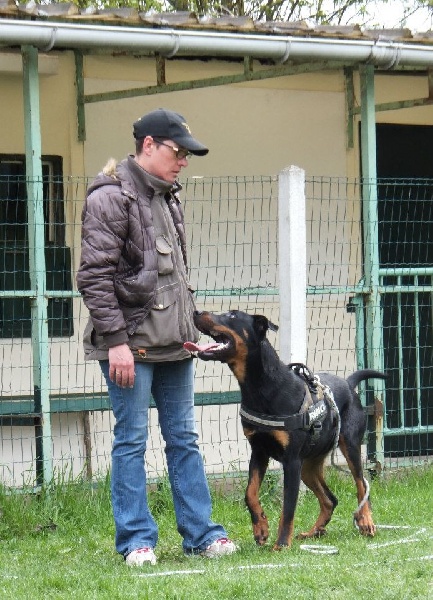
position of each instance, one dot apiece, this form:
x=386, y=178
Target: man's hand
x=121, y=365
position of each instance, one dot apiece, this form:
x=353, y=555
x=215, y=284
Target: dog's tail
x=358, y=376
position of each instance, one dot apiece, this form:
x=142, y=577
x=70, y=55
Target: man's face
x=164, y=159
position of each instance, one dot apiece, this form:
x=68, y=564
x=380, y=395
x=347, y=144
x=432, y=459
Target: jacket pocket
x=165, y=255
x=161, y=327
x=135, y=288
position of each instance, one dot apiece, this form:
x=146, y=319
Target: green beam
x=411, y=271
x=162, y=87
x=79, y=83
x=265, y=291
x=350, y=102
x=247, y=75
x=384, y=106
x=320, y=291
x=24, y=405
x=35, y=211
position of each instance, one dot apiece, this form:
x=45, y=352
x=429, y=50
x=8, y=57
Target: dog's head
x=235, y=334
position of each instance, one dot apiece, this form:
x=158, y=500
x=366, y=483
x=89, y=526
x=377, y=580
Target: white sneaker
x=137, y=558
x=220, y=547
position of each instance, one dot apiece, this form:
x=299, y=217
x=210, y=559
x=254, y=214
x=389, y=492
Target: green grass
x=60, y=545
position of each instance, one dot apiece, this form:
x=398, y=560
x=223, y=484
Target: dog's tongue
x=192, y=347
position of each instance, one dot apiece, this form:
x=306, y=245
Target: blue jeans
x=172, y=387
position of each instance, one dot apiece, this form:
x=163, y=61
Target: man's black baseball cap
x=166, y=124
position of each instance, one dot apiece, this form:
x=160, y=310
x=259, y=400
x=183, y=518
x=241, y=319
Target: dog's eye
x=232, y=315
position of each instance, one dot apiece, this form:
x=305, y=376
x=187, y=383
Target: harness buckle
x=316, y=430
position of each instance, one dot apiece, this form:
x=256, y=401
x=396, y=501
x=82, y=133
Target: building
x=341, y=103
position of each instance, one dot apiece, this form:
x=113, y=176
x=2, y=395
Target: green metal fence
x=369, y=303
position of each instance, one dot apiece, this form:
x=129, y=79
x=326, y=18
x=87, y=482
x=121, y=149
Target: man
x=133, y=279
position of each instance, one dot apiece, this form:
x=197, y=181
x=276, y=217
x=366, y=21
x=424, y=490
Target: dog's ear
x=272, y=326
x=261, y=326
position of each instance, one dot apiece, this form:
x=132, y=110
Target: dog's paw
x=364, y=524
x=315, y=532
x=278, y=547
x=261, y=537
x=261, y=529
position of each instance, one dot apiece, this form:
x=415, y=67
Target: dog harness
x=310, y=416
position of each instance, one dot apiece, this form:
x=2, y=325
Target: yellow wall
x=251, y=128
x=57, y=109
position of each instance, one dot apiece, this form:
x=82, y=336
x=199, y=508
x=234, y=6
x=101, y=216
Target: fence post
x=373, y=312
x=37, y=268
x=292, y=252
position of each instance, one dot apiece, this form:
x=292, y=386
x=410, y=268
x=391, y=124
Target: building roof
x=189, y=35
x=127, y=17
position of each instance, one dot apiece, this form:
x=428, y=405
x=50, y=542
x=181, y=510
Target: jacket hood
x=108, y=176
x=116, y=173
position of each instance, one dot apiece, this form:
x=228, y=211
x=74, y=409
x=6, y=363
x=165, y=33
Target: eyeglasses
x=180, y=153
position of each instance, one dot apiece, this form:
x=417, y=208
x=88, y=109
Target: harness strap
x=302, y=420
x=311, y=414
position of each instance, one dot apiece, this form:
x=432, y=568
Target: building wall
x=256, y=127
x=57, y=107
x=250, y=128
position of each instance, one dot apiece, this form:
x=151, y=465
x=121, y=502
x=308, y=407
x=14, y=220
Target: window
x=15, y=312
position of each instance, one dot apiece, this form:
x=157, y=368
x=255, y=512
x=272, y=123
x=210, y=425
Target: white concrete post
x=292, y=250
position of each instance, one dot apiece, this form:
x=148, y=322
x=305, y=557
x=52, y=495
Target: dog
x=292, y=416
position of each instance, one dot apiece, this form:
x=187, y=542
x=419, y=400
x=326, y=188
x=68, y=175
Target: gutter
x=174, y=42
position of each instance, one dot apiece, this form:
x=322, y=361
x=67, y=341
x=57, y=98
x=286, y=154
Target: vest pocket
x=165, y=255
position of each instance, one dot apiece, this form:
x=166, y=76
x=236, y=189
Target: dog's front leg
x=363, y=517
x=292, y=479
x=258, y=464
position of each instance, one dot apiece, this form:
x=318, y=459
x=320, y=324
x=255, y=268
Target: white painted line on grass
x=408, y=540
x=319, y=548
x=201, y=571
x=169, y=573
x=268, y=566
x=316, y=549
x=396, y=560
x=394, y=526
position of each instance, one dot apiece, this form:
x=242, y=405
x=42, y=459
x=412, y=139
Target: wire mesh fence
x=232, y=228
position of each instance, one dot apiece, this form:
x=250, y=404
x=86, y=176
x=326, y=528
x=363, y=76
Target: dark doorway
x=15, y=311
x=405, y=207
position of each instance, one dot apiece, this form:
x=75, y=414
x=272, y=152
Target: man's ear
x=261, y=326
x=147, y=144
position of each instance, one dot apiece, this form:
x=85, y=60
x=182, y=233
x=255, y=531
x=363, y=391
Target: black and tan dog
x=291, y=416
